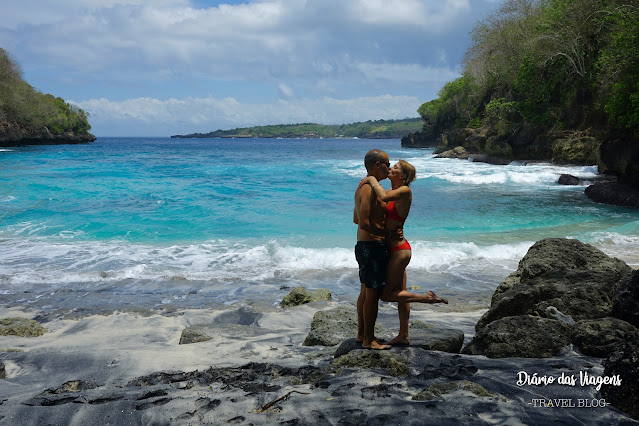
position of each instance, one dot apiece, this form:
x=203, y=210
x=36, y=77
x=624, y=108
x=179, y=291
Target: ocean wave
x=469, y=173
x=31, y=262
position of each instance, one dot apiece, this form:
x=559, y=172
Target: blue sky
x=163, y=67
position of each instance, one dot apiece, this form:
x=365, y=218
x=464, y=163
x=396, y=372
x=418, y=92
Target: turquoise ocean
x=166, y=223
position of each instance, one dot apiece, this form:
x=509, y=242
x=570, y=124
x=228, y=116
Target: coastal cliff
x=554, y=80
x=13, y=134
x=29, y=117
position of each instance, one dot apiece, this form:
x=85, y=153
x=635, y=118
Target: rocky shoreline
x=12, y=135
x=616, y=155
x=569, y=312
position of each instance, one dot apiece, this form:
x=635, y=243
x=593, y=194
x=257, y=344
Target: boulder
x=566, y=179
x=520, y=336
x=457, y=152
x=23, y=327
x=434, y=338
x=625, y=364
x=604, y=336
x=576, y=278
x=332, y=327
x=613, y=193
x=625, y=304
x=300, y=296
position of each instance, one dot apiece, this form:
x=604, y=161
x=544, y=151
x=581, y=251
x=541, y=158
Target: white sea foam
x=469, y=173
x=32, y=262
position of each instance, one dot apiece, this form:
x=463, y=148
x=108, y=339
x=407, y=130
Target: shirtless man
x=371, y=251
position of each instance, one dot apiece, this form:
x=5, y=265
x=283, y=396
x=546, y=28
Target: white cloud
x=432, y=15
x=155, y=117
x=245, y=41
x=286, y=91
x=407, y=73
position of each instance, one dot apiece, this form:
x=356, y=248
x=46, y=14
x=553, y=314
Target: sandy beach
x=129, y=368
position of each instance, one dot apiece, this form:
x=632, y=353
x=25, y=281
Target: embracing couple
x=382, y=252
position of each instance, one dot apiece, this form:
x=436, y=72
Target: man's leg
x=370, y=317
x=360, y=313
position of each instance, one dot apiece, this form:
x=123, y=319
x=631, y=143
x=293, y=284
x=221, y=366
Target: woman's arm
x=391, y=194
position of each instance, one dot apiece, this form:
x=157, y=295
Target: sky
x=165, y=67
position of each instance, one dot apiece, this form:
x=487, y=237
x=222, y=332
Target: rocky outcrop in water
x=614, y=193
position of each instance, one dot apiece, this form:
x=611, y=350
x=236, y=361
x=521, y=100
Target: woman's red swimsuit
x=391, y=213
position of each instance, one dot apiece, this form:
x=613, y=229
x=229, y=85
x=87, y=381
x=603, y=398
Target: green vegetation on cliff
x=31, y=110
x=552, y=64
x=380, y=129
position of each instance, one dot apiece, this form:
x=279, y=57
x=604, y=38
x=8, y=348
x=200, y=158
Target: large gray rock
x=435, y=338
x=614, y=193
x=457, y=152
x=300, y=296
x=626, y=300
x=604, y=336
x=333, y=326
x=625, y=364
x=566, y=179
x=520, y=336
x=576, y=278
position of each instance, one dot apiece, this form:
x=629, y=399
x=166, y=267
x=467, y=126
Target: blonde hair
x=409, y=171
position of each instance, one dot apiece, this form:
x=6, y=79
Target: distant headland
x=380, y=129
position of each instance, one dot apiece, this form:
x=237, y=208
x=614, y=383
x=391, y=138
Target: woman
x=399, y=199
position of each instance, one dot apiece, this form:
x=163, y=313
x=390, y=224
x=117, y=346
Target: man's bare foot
x=435, y=299
x=399, y=341
x=375, y=346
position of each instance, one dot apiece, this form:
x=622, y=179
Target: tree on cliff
x=563, y=64
x=30, y=109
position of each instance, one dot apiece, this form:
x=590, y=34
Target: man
x=371, y=251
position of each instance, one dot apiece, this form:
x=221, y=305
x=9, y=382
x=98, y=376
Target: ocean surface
x=166, y=223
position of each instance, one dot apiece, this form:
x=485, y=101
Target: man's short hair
x=373, y=156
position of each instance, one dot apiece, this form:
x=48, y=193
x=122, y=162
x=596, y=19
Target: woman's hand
x=366, y=180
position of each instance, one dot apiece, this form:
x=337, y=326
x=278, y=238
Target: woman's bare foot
x=359, y=339
x=399, y=341
x=375, y=346
x=435, y=299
